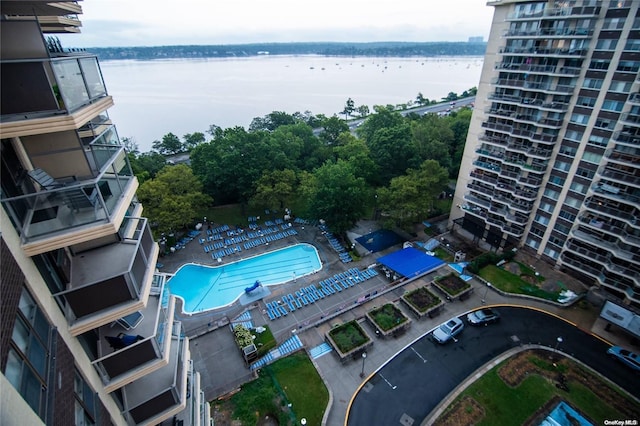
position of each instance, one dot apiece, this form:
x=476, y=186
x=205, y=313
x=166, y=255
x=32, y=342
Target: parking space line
x=419, y=356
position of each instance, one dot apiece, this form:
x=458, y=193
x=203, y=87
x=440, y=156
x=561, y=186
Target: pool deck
x=222, y=368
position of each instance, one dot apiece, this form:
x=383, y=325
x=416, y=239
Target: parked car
x=448, y=330
x=625, y=356
x=483, y=316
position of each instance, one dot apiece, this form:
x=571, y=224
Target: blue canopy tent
x=411, y=262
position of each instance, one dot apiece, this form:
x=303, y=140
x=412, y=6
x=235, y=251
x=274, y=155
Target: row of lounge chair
x=269, y=238
x=227, y=251
x=310, y=294
x=184, y=240
x=345, y=257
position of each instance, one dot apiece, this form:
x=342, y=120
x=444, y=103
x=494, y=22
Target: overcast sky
x=162, y=22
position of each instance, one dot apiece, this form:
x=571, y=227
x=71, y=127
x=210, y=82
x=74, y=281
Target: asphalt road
x=414, y=382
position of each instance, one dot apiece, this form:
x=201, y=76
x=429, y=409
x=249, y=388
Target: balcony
x=612, y=174
x=623, y=155
x=197, y=411
x=630, y=119
x=609, y=226
x=162, y=394
x=74, y=210
x=627, y=137
x=612, y=247
x=61, y=93
x=120, y=367
x=599, y=206
x=634, y=98
x=544, y=52
x=615, y=193
x=111, y=281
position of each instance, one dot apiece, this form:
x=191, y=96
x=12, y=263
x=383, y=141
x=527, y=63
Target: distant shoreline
x=377, y=49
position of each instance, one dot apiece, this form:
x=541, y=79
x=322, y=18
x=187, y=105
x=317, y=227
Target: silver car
x=483, y=317
x=448, y=330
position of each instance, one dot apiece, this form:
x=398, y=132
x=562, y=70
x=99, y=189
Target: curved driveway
x=412, y=384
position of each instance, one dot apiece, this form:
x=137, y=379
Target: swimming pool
x=206, y=287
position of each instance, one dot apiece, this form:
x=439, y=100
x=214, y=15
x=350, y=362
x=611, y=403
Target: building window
x=610, y=105
x=551, y=194
x=620, y=86
x=604, y=123
x=551, y=252
x=568, y=216
x=542, y=220
x=557, y=180
x=579, y=188
x=592, y=157
x=564, y=230
x=85, y=402
x=562, y=165
x=592, y=83
x=632, y=45
x=599, y=64
x=585, y=173
x=533, y=243
x=607, y=44
x=629, y=66
x=586, y=101
x=598, y=140
x=569, y=151
x=579, y=119
x=573, y=202
x=613, y=24
x=574, y=135
x=28, y=359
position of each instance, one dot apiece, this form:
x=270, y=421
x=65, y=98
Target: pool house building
x=87, y=329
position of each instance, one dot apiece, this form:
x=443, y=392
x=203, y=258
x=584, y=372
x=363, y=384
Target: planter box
x=453, y=287
x=392, y=315
x=349, y=340
x=423, y=303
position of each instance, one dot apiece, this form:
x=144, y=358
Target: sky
x=162, y=22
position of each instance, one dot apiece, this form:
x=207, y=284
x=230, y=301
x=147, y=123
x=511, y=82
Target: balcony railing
x=158, y=395
x=53, y=86
x=551, y=32
x=110, y=277
x=73, y=205
x=119, y=367
x=630, y=119
x=628, y=138
x=612, y=174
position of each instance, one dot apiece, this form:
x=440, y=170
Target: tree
x=169, y=145
x=355, y=152
x=433, y=139
x=421, y=100
x=332, y=128
x=271, y=121
x=130, y=145
x=173, y=199
x=146, y=165
x=349, y=107
x=452, y=96
x=363, y=110
x=275, y=189
x=191, y=140
x=409, y=198
x=214, y=131
x=335, y=194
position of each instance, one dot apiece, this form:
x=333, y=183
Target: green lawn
x=291, y=380
x=507, y=406
x=511, y=283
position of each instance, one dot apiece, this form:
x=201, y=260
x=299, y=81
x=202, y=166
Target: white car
x=448, y=330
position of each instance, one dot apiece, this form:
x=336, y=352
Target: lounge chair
x=130, y=321
x=122, y=340
x=45, y=181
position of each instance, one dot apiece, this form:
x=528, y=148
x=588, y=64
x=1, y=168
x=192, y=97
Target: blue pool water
x=565, y=415
x=205, y=287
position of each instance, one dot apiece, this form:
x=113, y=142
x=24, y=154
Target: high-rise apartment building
x=87, y=330
x=552, y=157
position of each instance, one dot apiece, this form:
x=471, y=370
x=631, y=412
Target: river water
x=153, y=98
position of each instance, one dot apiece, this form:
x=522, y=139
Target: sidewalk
x=343, y=380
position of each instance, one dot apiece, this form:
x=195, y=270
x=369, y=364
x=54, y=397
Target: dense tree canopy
x=335, y=194
x=330, y=172
x=172, y=200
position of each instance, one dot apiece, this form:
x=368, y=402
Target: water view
x=153, y=98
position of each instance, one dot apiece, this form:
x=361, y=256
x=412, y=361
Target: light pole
x=558, y=341
x=364, y=356
x=484, y=297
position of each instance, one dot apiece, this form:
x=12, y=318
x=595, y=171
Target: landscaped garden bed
x=516, y=278
x=453, y=287
x=388, y=320
x=527, y=386
x=423, y=303
x=349, y=340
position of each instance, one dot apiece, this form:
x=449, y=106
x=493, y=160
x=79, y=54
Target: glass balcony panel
x=161, y=390
x=93, y=77
x=104, y=147
x=107, y=276
x=71, y=84
x=115, y=362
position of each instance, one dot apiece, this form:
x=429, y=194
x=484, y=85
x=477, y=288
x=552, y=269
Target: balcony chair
x=130, y=321
x=46, y=182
